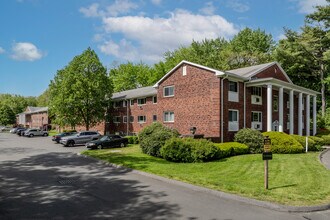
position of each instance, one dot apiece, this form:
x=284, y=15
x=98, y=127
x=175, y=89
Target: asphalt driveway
x=43, y=180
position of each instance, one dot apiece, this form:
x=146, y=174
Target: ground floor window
x=256, y=120
x=116, y=119
x=141, y=119
x=233, y=120
x=168, y=116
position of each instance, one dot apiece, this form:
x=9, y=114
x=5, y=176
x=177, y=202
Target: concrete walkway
x=325, y=157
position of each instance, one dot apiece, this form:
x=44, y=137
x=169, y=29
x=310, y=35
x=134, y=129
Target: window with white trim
x=168, y=91
x=131, y=119
x=154, y=118
x=132, y=102
x=142, y=119
x=233, y=120
x=142, y=101
x=154, y=99
x=124, y=119
x=124, y=103
x=256, y=120
x=232, y=91
x=116, y=119
x=256, y=95
x=168, y=116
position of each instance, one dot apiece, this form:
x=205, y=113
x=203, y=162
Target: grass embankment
x=294, y=179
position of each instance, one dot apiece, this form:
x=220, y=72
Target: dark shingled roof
x=135, y=93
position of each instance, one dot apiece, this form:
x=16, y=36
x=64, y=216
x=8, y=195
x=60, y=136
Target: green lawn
x=294, y=179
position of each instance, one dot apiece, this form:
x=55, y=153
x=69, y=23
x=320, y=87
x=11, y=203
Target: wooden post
x=266, y=174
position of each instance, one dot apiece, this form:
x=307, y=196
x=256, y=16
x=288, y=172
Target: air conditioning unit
x=256, y=100
x=257, y=126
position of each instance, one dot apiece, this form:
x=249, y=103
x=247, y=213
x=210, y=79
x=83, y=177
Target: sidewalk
x=325, y=157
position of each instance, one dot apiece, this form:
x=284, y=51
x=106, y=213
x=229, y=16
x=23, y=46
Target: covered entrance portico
x=298, y=106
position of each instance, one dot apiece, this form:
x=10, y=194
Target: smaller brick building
x=33, y=117
x=218, y=103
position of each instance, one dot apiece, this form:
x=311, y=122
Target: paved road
x=43, y=180
x=325, y=158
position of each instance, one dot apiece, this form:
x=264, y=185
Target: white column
x=308, y=116
x=269, y=107
x=314, y=115
x=300, y=114
x=291, y=112
x=280, y=109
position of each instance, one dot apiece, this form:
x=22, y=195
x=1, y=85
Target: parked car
x=13, y=130
x=108, y=141
x=59, y=136
x=80, y=138
x=21, y=131
x=35, y=132
x=5, y=128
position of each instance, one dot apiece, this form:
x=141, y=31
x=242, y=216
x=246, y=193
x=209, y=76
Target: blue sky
x=39, y=37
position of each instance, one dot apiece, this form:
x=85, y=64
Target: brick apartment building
x=33, y=117
x=218, y=103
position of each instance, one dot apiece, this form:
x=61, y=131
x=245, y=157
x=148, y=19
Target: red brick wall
x=148, y=110
x=196, y=101
x=39, y=119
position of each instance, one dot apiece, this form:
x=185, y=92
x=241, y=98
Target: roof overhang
x=280, y=83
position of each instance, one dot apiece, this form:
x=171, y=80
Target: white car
x=35, y=132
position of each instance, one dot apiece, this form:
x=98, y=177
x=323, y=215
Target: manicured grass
x=294, y=179
x=52, y=132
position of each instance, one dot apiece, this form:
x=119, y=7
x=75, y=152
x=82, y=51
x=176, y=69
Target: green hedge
x=133, y=139
x=252, y=138
x=153, y=137
x=283, y=143
x=326, y=139
x=189, y=150
x=319, y=143
x=229, y=149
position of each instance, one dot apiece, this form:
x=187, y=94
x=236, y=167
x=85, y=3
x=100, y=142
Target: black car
x=58, y=137
x=108, y=141
x=20, y=131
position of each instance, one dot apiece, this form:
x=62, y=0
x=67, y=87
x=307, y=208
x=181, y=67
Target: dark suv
x=80, y=138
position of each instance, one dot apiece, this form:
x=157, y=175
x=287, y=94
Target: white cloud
x=91, y=11
x=307, y=6
x=156, y=2
x=238, y=6
x=150, y=37
x=2, y=50
x=25, y=51
x=208, y=9
x=117, y=8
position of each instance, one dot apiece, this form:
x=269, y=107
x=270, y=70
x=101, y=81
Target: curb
x=321, y=156
x=220, y=194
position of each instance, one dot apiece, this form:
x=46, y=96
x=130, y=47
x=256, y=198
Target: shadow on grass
x=285, y=186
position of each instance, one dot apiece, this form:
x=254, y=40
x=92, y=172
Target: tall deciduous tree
x=81, y=92
x=7, y=116
x=250, y=47
x=305, y=55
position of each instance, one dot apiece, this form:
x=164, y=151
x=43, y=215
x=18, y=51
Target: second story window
x=154, y=99
x=142, y=101
x=116, y=119
x=168, y=91
x=256, y=95
x=233, y=91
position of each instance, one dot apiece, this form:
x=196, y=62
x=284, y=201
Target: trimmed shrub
x=283, y=143
x=319, y=143
x=133, y=139
x=153, y=137
x=252, y=138
x=189, y=150
x=302, y=141
x=326, y=139
x=229, y=149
